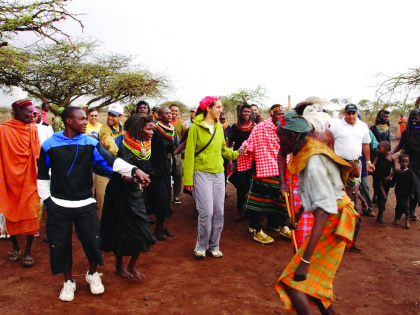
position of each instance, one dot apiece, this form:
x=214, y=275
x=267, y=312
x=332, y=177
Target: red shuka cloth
x=19, y=198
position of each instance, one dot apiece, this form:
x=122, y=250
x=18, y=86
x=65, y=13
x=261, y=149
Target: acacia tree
x=243, y=96
x=40, y=17
x=60, y=75
x=402, y=87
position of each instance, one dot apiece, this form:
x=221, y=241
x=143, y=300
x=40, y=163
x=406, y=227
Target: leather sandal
x=28, y=261
x=14, y=255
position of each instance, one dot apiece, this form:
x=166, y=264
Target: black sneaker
x=177, y=201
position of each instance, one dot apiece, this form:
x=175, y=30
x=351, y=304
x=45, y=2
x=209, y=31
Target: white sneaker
x=96, y=286
x=67, y=292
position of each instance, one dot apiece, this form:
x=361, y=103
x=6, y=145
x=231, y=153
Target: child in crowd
x=352, y=190
x=404, y=182
x=384, y=165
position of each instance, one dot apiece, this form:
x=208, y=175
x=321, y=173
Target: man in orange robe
x=19, y=200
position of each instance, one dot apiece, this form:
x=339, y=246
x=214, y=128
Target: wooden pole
x=289, y=99
x=290, y=215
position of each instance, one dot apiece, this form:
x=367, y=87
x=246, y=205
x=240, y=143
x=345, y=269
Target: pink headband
x=205, y=102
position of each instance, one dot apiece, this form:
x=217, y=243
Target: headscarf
x=293, y=122
x=21, y=104
x=205, y=102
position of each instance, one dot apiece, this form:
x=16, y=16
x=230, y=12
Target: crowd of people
x=301, y=174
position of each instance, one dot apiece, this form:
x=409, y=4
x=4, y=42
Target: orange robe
x=19, y=200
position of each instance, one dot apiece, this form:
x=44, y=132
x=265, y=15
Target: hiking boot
x=67, y=292
x=177, y=201
x=262, y=238
x=96, y=286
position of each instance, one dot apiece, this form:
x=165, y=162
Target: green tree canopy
x=60, y=74
x=242, y=96
x=40, y=17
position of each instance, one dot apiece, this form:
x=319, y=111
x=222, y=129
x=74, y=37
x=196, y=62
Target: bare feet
x=137, y=274
x=123, y=272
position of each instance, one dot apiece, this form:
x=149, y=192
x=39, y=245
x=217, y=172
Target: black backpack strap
x=205, y=147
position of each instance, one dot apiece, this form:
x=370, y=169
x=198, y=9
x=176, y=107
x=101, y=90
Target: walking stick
x=292, y=217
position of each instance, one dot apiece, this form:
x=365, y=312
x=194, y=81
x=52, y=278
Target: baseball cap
x=350, y=108
x=155, y=108
x=193, y=109
x=116, y=109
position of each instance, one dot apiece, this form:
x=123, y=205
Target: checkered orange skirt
x=325, y=259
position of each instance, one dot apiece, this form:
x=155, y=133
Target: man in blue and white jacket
x=67, y=194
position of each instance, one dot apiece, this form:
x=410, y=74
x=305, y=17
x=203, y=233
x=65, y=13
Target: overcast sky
x=300, y=48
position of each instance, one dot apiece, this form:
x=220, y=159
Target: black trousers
x=59, y=232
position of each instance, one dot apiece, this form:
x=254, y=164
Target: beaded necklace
x=142, y=150
x=246, y=127
x=165, y=131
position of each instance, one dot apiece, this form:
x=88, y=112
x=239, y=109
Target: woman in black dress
x=238, y=134
x=163, y=164
x=125, y=228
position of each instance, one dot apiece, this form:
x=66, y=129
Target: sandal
x=28, y=261
x=14, y=256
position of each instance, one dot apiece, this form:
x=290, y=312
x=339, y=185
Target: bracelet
x=368, y=162
x=305, y=261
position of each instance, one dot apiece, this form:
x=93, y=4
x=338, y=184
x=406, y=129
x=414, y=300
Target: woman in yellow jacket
x=204, y=174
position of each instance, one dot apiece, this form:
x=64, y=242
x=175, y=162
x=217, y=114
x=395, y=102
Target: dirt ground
x=380, y=280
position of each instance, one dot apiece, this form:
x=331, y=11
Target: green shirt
x=211, y=159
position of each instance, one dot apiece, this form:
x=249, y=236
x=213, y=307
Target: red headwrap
x=205, y=102
x=21, y=104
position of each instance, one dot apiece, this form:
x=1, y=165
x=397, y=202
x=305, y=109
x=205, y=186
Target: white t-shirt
x=210, y=127
x=44, y=132
x=348, y=139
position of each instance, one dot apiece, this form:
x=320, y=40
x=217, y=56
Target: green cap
x=293, y=122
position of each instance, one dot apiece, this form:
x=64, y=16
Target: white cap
x=116, y=109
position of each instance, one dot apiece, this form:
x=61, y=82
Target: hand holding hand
x=242, y=151
x=142, y=177
x=370, y=167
